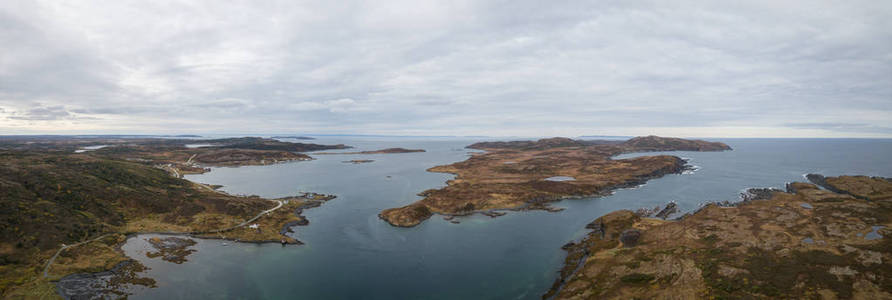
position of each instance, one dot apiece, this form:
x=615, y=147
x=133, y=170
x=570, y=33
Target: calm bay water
x=350, y=253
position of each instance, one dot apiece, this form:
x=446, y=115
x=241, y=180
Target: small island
x=524, y=175
x=358, y=161
x=804, y=242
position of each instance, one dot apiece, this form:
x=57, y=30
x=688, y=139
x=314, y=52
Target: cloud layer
x=686, y=68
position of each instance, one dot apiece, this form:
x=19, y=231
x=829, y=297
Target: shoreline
x=546, y=205
x=699, y=254
x=307, y=200
x=111, y=275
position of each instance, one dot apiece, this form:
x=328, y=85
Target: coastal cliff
x=805, y=242
x=529, y=174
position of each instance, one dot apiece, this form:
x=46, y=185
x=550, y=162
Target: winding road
x=49, y=263
x=279, y=204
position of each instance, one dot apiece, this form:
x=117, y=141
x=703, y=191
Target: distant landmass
x=293, y=137
x=381, y=151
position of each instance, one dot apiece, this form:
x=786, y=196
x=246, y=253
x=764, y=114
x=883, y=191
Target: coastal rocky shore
x=525, y=175
x=106, y=284
x=275, y=227
x=805, y=242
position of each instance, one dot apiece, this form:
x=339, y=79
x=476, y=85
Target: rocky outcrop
x=630, y=237
x=861, y=187
x=758, y=194
x=667, y=211
x=109, y=284
x=406, y=216
x=172, y=249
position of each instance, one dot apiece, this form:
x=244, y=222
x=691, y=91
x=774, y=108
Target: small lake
x=90, y=148
x=197, y=145
x=350, y=253
x=560, y=178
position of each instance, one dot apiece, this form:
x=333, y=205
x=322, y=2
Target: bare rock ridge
x=655, y=143
x=512, y=175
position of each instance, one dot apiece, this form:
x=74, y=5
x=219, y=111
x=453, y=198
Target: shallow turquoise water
x=350, y=253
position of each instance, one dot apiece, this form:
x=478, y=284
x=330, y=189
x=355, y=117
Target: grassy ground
x=49, y=198
x=268, y=227
x=774, y=248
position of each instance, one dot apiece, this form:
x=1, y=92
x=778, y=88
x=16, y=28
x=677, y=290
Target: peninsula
x=65, y=212
x=805, y=242
x=530, y=174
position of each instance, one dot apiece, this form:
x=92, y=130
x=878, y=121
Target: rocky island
x=805, y=242
x=358, y=161
x=530, y=174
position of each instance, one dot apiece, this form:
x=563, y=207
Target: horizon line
x=269, y=135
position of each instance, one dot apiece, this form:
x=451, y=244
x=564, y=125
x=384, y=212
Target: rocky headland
x=530, y=174
x=804, y=243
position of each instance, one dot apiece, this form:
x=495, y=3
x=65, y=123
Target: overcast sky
x=522, y=68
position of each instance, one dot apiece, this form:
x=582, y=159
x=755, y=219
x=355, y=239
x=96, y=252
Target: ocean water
x=350, y=253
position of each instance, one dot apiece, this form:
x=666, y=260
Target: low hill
x=49, y=199
x=656, y=143
x=637, y=144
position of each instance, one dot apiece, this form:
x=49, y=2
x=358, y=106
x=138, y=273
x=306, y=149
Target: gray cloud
x=42, y=113
x=452, y=67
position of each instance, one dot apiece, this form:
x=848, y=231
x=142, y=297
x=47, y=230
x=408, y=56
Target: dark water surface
x=350, y=253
